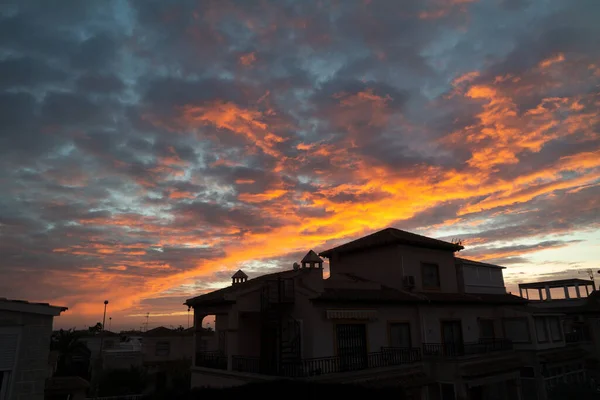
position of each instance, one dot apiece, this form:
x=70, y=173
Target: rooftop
x=162, y=331
x=30, y=307
x=219, y=296
x=313, y=257
x=239, y=274
x=477, y=263
x=390, y=236
x=556, y=283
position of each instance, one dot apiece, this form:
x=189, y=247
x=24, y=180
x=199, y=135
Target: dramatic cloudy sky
x=149, y=148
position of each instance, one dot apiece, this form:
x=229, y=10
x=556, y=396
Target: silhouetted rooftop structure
x=390, y=236
x=556, y=283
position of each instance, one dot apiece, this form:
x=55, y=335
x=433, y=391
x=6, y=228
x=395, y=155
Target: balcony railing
x=387, y=357
x=211, y=359
x=483, y=346
x=579, y=336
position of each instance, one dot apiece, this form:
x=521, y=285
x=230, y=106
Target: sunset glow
x=150, y=149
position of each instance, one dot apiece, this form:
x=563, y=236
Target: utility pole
x=102, y=332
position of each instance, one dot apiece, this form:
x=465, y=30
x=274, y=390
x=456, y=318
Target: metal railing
x=388, y=356
x=245, y=364
x=211, y=359
x=483, y=346
x=578, y=336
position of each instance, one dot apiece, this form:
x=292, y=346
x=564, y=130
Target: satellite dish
x=296, y=266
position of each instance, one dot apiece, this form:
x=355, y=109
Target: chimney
x=239, y=277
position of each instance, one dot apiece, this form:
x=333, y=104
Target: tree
x=73, y=355
x=180, y=328
x=96, y=328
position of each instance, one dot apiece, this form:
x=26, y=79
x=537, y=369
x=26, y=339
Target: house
x=25, y=330
x=559, y=338
x=396, y=310
x=95, y=341
x=167, y=356
x=163, y=344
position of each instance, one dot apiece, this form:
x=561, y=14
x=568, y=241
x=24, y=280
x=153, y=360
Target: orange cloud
x=248, y=59
x=560, y=57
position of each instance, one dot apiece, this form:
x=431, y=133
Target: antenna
x=146, y=327
x=590, y=272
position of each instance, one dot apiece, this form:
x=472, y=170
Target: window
x=486, y=329
x=400, y=335
x=163, y=349
x=540, y=329
x=555, y=331
x=431, y=275
x=517, y=330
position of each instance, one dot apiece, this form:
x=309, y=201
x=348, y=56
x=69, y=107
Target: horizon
x=150, y=149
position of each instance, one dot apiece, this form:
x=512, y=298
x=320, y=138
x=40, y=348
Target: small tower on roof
x=239, y=277
x=312, y=260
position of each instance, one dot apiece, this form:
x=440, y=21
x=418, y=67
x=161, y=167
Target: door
x=452, y=338
x=352, y=346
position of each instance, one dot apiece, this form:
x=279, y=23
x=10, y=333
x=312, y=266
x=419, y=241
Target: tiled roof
x=239, y=274
x=390, y=236
x=311, y=256
x=219, y=296
x=390, y=295
x=30, y=307
x=383, y=295
x=162, y=331
x=5, y=300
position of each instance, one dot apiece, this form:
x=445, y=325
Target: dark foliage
x=116, y=382
x=73, y=355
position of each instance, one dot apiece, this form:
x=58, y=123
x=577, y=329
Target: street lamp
x=102, y=332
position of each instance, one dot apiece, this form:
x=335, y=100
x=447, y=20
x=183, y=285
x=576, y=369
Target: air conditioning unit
x=409, y=281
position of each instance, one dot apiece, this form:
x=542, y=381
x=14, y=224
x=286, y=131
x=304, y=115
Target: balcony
x=578, y=336
x=450, y=350
x=387, y=357
x=211, y=359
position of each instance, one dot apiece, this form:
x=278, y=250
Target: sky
x=149, y=149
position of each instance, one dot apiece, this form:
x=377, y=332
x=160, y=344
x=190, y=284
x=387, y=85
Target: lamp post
x=102, y=332
x=109, y=322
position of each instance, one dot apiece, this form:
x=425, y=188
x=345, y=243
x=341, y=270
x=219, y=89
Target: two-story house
x=395, y=310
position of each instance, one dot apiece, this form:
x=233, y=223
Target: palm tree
x=74, y=356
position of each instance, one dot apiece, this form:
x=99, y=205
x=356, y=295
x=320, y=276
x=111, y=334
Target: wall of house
x=389, y=264
x=180, y=347
x=469, y=315
x=424, y=324
x=249, y=329
x=30, y=371
x=479, y=279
